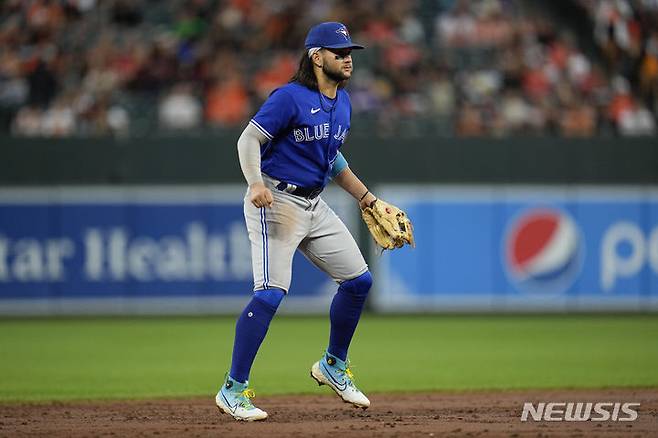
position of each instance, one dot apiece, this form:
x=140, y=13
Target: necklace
x=328, y=104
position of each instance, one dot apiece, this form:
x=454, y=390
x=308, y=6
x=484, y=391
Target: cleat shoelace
x=348, y=373
x=246, y=395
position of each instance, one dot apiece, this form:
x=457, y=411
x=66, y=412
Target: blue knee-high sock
x=250, y=330
x=345, y=313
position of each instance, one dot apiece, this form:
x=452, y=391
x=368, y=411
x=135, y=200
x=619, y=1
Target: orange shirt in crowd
x=619, y=104
x=227, y=103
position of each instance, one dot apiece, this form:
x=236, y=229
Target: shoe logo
x=340, y=386
x=231, y=408
x=314, y=110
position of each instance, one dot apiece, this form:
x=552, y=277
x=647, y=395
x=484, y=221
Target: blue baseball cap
x=330, y=35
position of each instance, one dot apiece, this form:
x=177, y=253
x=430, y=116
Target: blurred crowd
x=443, y=67
x=627, y=34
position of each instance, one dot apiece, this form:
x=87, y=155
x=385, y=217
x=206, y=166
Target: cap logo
x=343, y=32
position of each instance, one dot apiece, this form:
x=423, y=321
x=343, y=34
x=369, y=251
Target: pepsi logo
x=543, y=251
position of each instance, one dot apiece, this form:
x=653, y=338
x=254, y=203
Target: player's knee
x=273, y=296
x=358, y=286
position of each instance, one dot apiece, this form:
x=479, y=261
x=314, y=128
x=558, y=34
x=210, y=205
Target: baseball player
x=288, y=153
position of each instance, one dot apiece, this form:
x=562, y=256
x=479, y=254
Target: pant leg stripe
x=267, y=252
x=264, y=237
x=262, y=233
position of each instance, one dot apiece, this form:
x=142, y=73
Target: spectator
x=28, y=122
x=578, y=120
x=516, y=112
x=227, y=103
x=649, y=72
x=621, y=100
x=441, y=93
x=636, y=121
x=43, y=85
x=14, y=88
x=59, y=119
x=118, y=120
x=126, y=13
x=469, y=122
x=457, y=27
x=180, y=109
x=486, y=67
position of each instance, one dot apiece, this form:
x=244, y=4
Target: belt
x=304, y=192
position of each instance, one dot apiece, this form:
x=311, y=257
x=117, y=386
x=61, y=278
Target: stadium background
x=121, y=194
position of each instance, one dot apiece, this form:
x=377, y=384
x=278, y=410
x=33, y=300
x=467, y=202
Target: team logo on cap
x=343, y=31
x=543, y=251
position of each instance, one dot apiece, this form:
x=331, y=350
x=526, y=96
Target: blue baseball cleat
x=234, y=399
x=336, y=373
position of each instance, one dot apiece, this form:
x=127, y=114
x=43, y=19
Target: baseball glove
x=389, y=226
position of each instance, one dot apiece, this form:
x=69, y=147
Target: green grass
x=67, y=359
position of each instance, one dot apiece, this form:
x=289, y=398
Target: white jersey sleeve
x=249, y=153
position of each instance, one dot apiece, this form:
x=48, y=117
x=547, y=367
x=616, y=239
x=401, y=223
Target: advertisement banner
x=523, y=248
x=138, y=250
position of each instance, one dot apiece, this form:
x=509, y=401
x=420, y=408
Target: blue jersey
x=305, y=130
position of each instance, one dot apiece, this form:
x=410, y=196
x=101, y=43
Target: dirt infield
x=391, y=415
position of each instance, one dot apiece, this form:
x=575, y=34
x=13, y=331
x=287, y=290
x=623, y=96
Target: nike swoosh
x=231, y=408
x=314, y=110
x=338, y=385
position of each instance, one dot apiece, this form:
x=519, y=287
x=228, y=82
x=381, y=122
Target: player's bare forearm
x=349, y=182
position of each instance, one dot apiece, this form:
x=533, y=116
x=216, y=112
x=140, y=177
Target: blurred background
x=520, y=136
x=490, y=68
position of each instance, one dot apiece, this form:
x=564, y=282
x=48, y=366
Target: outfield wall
x=142, y=206
x=523, y=248
x=184, y=250
x=139, y=250
x=424, y=159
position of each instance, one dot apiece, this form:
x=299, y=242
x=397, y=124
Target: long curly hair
x=306, y=76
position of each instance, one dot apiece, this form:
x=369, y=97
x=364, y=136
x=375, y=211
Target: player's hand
x=260, y=196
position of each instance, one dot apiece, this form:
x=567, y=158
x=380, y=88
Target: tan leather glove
x=389, y=226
